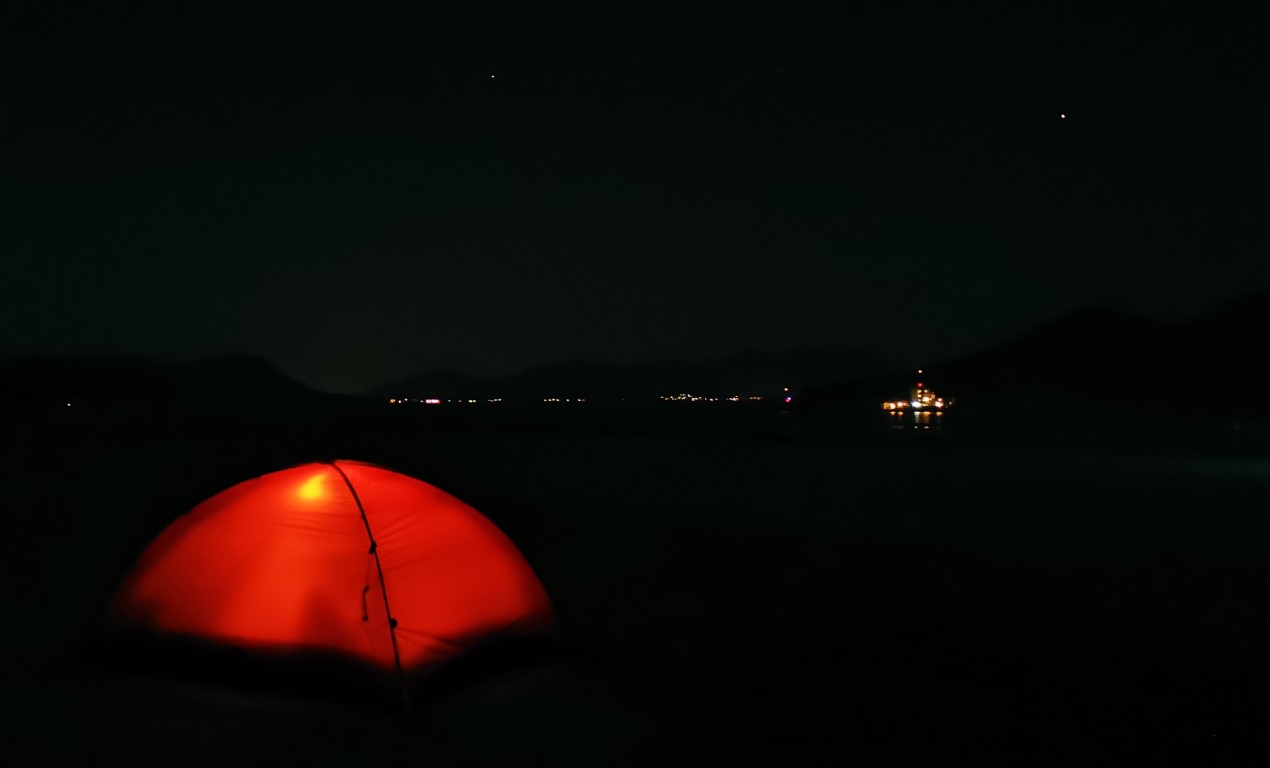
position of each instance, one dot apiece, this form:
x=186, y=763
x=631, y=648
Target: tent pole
x=383, y=587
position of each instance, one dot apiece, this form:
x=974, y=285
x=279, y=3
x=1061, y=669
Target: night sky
x=360, y=196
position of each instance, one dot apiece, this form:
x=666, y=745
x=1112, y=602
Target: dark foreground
x=763, y=597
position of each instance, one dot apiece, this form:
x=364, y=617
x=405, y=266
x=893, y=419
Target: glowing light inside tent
x=314, y=488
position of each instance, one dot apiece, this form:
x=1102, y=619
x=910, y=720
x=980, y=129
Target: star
x=1061, y=115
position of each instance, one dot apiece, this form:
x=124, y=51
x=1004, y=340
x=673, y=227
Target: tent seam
x=383, y=585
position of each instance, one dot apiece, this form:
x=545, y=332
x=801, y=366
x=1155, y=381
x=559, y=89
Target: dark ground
x=768, y=592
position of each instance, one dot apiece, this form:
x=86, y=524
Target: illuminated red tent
x=341, y=559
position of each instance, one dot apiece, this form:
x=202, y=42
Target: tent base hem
x=312, y=674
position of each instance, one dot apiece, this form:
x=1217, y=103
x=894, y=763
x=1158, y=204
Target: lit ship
x=921, y=400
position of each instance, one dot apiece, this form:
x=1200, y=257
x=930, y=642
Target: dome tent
x=341, y=564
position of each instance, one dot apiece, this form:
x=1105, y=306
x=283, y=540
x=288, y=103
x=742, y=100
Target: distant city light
x=680, y=397
x=684, y=396
x=437, y=400
x=691, y=398
x=923, y=401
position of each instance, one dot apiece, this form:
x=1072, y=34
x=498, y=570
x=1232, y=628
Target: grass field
x=723, y=599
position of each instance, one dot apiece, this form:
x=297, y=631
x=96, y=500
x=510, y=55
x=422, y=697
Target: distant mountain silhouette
x=135, y=391
x=1091, y=352
x=750, y=373
x=1092, y=361
x=1222, y=353
x=1095, y=358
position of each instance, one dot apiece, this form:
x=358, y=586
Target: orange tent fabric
x=342, y=557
